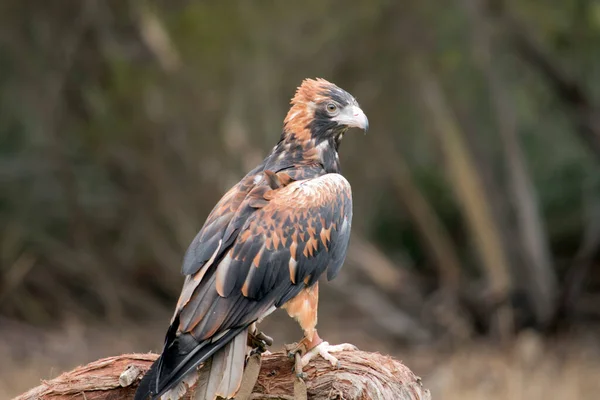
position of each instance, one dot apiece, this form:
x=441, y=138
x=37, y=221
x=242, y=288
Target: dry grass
x=529, y=369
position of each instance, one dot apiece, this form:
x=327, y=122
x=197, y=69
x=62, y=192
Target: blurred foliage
x=123, y=122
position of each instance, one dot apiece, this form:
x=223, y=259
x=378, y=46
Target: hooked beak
x=353, y=117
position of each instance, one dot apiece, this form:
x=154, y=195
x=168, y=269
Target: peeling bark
x=361, y=376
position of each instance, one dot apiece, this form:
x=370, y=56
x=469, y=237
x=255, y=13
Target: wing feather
x=258, y=248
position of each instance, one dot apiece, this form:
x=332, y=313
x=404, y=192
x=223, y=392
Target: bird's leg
x=304, y=345
x=258, y=341
x=317, y=346
x=303, y=308
x=297, y=350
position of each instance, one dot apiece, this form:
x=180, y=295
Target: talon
x=295, y=348
x=301, y=375
x=298, y=366
x=258, y=340
x=267, y=340
x=259, y=351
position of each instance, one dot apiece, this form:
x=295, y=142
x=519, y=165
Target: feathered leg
x=303, y=308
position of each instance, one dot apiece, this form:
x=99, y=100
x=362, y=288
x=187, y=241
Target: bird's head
x=322, y=111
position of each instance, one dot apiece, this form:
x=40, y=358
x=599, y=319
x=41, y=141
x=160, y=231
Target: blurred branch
x=432, y=230
x=468, y=189
x=373, y=263
x=236, y=137
x=156, y=37
x=385, y=281
x=587, y=255
x=15, y=275
x=374, y=303
x=567, y=89
x=534, y=245
x=442, y=308
x=53, y=110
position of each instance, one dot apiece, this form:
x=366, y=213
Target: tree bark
x=361, y=375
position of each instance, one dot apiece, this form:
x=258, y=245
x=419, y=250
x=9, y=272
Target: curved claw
x=258, y=341
x=301, y=375
x=295, y=348
x=267, y=340
x=298, y=366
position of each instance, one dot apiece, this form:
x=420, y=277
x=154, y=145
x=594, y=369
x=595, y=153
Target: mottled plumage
x=264, y=245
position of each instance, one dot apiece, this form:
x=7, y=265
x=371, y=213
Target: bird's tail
x=220, y=375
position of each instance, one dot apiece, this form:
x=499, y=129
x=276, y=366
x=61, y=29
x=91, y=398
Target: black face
x=327, y=123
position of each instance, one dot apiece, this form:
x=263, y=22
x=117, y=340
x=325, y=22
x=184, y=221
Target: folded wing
x=257, y=253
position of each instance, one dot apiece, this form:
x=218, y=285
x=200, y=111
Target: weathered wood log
x=361, y=376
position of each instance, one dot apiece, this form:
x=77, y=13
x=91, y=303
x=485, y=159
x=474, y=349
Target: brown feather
x=222, y=274
x=293, y=266
x=303, y=308
x=326, y=237
x=284, y=179
x=308, y=94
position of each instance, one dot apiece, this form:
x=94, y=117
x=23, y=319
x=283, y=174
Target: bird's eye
x=331, y=108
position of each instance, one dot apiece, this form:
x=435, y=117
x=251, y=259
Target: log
x=361, y=376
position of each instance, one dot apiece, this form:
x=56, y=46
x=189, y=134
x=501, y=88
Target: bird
x=264, y=246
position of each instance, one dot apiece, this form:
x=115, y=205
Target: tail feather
x=228, y=368
x=178, y=391
x=220, y=375
x=148, y=382
x=226, y=357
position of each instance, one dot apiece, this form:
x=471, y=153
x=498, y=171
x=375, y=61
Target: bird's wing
x=208, y=243
x=276, y=243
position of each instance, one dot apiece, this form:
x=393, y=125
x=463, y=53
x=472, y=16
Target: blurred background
x=475, y=253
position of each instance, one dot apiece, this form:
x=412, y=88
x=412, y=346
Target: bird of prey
x=264, y=246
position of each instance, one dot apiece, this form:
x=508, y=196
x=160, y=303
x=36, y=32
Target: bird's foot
x=307, y=349
x=324, y=349
x=294, y=352
x=297, y=348
x=258, y=341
